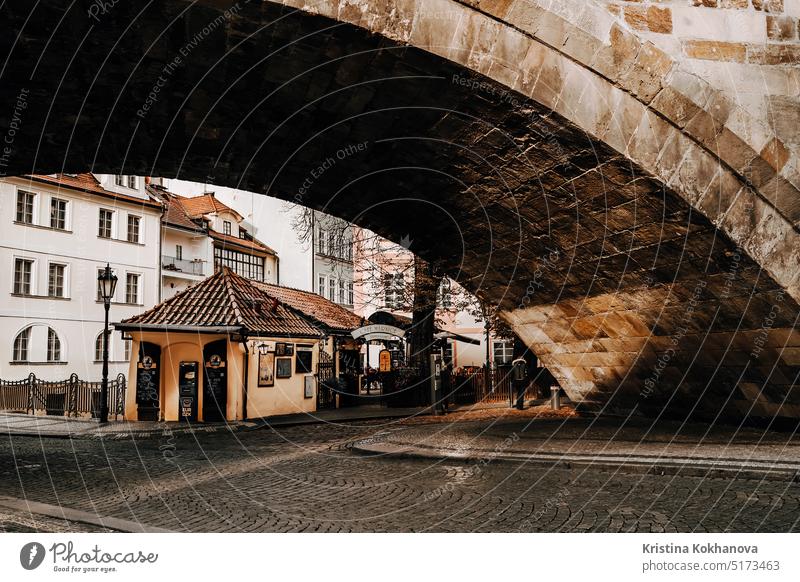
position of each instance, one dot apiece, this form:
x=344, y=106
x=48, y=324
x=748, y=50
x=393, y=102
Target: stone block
x=525, y=15
x=713, y=50
x=614, y=60
x=775, y=154
x=781, y=28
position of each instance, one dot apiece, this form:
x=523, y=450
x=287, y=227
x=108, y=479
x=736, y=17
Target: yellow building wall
x=177, y=348
x=287, y=395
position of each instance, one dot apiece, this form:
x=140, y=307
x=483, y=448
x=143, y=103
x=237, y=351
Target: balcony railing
x=194, y=267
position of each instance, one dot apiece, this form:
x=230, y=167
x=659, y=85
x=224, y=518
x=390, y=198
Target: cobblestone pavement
x=305, y=478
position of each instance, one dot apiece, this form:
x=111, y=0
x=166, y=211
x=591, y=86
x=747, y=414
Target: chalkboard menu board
x=187, y=391
x=147, y=386
x=215, y=392
x=148, y=377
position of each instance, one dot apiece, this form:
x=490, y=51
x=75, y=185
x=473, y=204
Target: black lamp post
x=106, y=284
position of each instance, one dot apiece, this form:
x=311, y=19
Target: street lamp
x=106, y=284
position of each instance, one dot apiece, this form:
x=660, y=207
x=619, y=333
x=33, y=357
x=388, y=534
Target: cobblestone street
x=306, y=478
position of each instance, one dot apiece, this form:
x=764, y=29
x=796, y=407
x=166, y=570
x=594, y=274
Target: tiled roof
x=224, y=300
x=88, y=183
x=198, y=206
x=228, y=240
x=321, y=310
x=175, y=214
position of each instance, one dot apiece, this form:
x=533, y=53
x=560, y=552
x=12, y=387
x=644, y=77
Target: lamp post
x=106, y=285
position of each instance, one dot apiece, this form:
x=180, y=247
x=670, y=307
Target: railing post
x=121, y=387
x=31, y=384
x=73, y=395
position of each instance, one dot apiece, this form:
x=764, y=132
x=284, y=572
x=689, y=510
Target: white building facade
x=58, y=232
x=201, y=233
x=332, y=259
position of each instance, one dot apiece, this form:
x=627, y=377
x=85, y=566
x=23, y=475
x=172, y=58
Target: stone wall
x=632, y=212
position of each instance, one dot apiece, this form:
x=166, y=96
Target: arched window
x=98, y=348
x=21, y=345
x=53, y=346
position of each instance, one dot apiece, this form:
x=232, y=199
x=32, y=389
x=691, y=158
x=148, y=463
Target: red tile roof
x=174, y=214
x=224, y=302
x=88, y=183
x=324, y=312
x=227, y=240
x=198, y=206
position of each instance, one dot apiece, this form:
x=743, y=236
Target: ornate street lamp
x=106, y=285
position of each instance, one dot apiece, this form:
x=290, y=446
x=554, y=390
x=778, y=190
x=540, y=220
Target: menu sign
x=147, y=382
x=187, y=391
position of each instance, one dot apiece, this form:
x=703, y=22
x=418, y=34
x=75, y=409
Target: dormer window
x=125, y=181
x=226, y=227
x=242, y=233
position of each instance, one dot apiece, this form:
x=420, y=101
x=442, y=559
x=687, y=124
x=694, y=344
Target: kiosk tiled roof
x=223, y=303
x=321, y=310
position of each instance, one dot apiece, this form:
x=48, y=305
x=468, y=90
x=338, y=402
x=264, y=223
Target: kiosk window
x=303, y=360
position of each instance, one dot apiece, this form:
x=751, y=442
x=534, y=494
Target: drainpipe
x=246, y=377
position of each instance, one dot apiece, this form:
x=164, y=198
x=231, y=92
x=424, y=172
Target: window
x=394, y=286
x=321, y=239
x=331, y=243
x=350, y=294
x=226, y=227
x=132, y=288
x=133, y=228
x=58, y=214
x=55, y=284
x=304, y=359
x=246, y=265
x=503, y=352
x=21, y=345
x=321, y=286
x=25, y=207
x=104, y=226
x=341, y=290
x=242, y=232
x=332, y=289
x=125, y=181
x=53, y=346
x=98, y=348
x=22, y=276
x=349, y=251
x=127, y=352
x=448, y=353
x=178, y=252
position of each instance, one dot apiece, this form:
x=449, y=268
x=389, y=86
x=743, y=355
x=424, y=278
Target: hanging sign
x=378, y=331
x=385, y=361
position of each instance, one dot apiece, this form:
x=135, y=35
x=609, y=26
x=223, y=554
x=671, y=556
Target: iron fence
x=470, y=387
x=69, y=397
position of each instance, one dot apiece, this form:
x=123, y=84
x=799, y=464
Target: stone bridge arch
x=635, y=222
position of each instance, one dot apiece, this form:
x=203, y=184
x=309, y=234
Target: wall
x=184, y=347
x=78, y=317
x=286, y=396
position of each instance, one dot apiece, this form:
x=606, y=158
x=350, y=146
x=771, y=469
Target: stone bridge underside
x=570, y=173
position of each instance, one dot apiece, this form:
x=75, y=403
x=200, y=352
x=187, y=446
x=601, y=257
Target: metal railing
x=69, y=397
x=469, y=386
x=194, y=267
